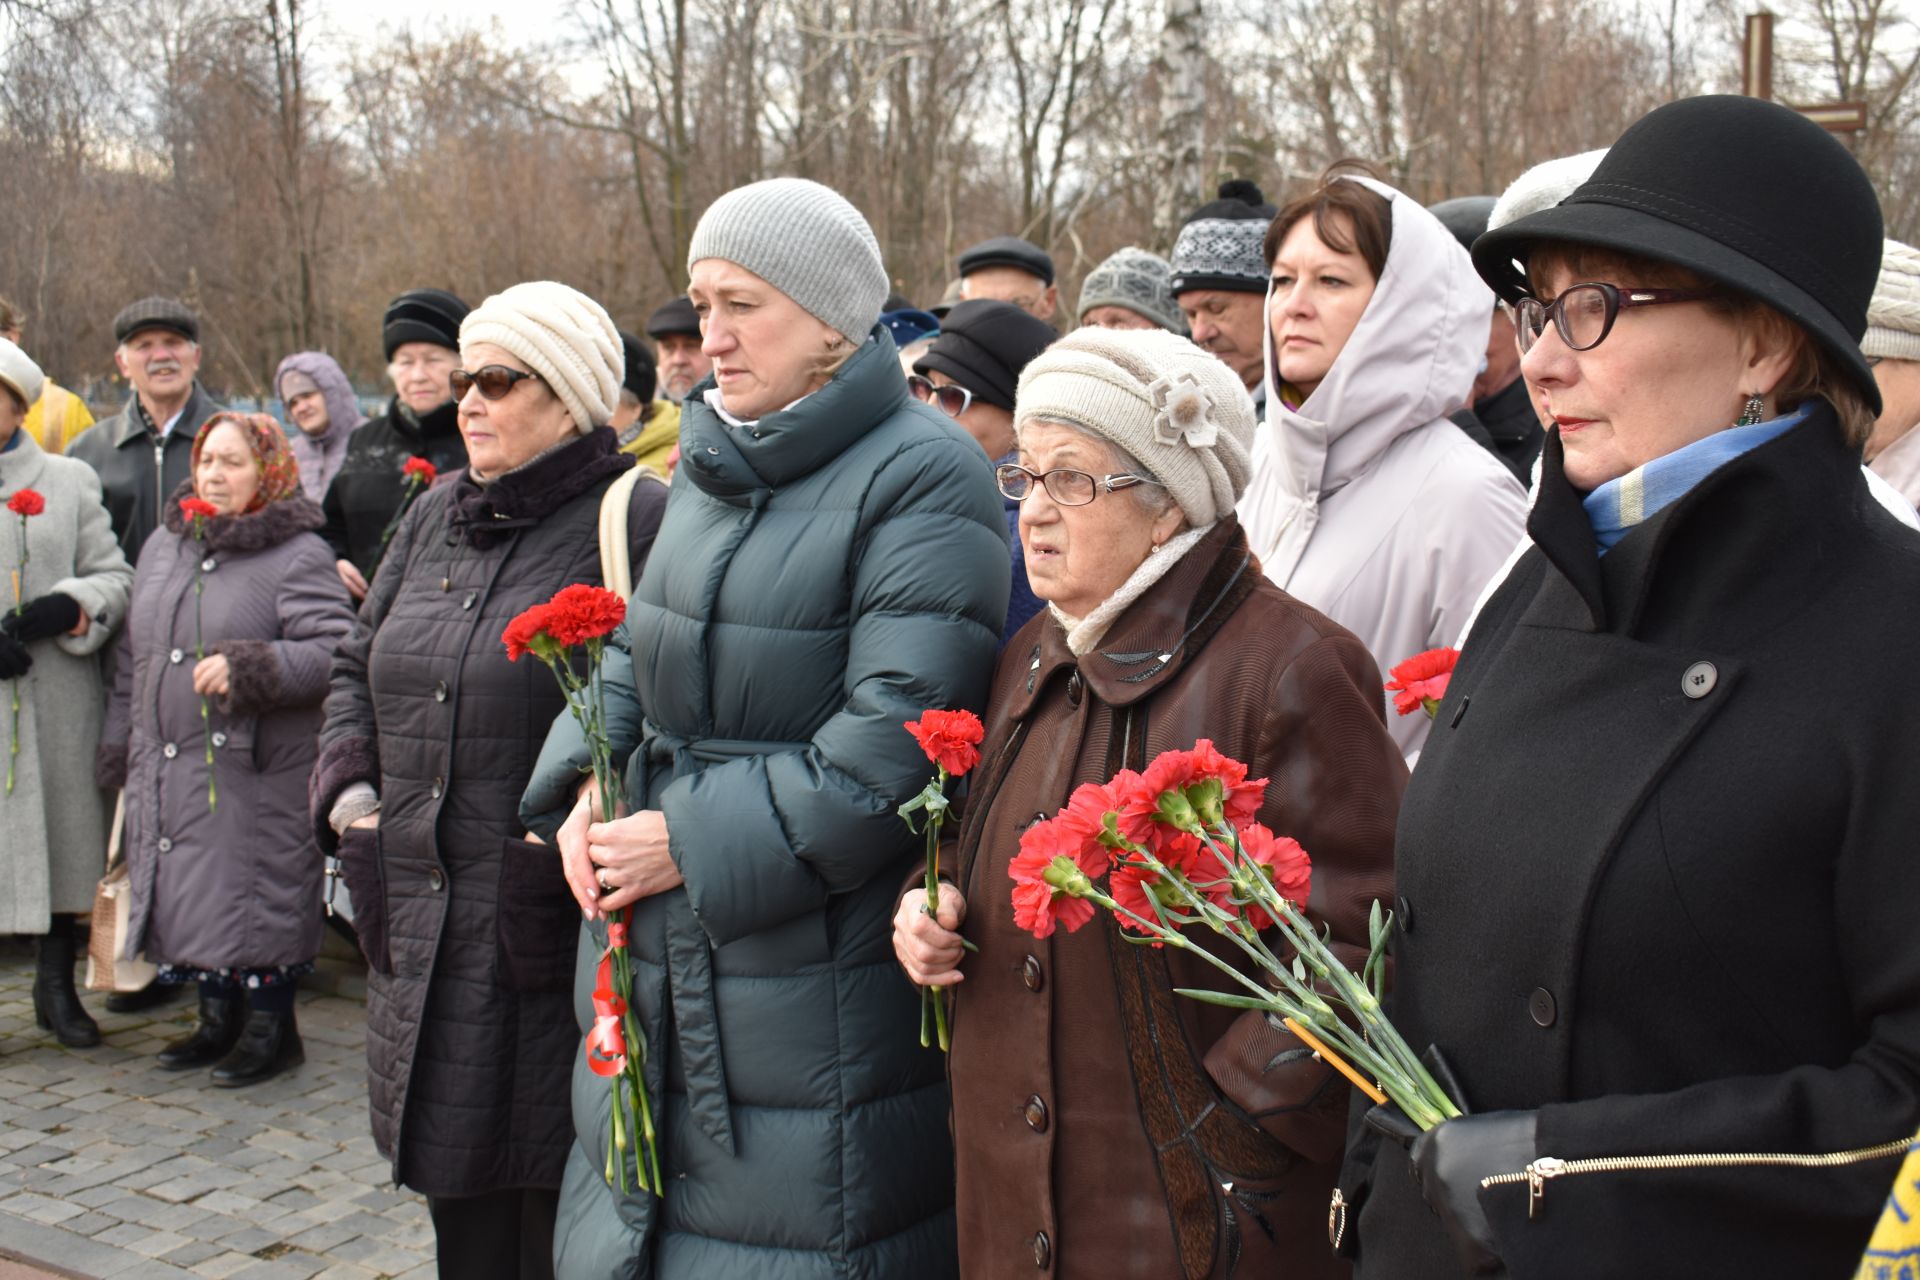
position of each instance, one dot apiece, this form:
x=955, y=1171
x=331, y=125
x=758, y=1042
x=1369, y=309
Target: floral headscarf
x=279, y=472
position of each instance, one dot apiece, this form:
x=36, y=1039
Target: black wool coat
x=469, y=928
x=367, y=489
x=1657, y=867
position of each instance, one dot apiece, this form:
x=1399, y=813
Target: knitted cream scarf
x=1084, y=633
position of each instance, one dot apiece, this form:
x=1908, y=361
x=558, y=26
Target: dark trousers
x=502, y=1235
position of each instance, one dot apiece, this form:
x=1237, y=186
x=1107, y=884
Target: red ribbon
x=607, y=1042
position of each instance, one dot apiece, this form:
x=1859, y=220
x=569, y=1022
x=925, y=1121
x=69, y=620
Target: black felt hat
x=675, y=317
x=983, y=346
x=423, y=315
x=1465, y=216
x=642, y=374
x=1008, y=251
x=1747, y=193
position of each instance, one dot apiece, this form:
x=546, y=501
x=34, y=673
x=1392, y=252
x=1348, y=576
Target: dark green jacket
x=821, y=577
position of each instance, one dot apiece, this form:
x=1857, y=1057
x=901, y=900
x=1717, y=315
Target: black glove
x=1450, y=1159
x=42, y=619
x=14, y=658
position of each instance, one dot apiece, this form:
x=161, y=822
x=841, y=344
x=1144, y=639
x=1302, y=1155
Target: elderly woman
x=1105, y=1127
x=71, y=597
x=1659, y=851
x=429, y=737
x=832, y=562
x=320, y=404
x=217, y=689
x=1366, y=501
x=1892, y=347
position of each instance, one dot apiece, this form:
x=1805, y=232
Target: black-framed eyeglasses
x=494, y=381
x=1584, y=313
x=1065, y=486
x=951, y=399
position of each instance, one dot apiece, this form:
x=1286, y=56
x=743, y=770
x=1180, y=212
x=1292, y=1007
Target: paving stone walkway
x=110, y=1167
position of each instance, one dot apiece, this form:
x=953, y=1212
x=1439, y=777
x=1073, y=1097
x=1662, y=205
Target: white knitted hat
x=1893, y=317
x=562, y=335
x=1182, y=413
x=805, y=240
x=19, y=372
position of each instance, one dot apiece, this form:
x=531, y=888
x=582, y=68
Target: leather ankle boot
x=56, y=1005
x=211, y=1040
x=269, y=1044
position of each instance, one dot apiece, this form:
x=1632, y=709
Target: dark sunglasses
x=494, y=381
x=951, y=400
x=1584, y=313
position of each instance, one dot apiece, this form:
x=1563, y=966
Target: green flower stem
x=19, y=607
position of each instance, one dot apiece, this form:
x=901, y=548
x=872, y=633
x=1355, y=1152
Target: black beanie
x=423, y=315
x=642, y=376
x=983, y=346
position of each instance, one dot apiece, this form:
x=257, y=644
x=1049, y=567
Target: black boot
x=269, y=1044
x=213, y=1038
x=56, y=1005
x=150, y=996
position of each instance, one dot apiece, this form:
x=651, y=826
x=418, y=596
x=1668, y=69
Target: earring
x=1756, y=405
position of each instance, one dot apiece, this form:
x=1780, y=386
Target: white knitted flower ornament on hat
x=1182, y=410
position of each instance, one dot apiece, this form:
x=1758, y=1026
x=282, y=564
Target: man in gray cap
x=143, y=452
x=1009, y=269
x=1220, y=281
x=675, y=330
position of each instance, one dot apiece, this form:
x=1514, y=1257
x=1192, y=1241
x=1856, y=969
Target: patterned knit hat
x=562, y=335
x=1137, y=280
x=1220, y=247
x=279, y=472
x=1893, y=317
x=1177, y=409
x=805, y=240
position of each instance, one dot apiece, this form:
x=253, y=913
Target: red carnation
x=951, y=739
x=27, y=502
x=1286, y=863
x=419, y=469
x=521, y=632
x=1134, y=886
x=1421, y=681
x=1040, y=875
x=580, y=613
x=198, y=509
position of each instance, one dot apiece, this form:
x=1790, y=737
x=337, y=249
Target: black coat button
x=1541, y=1006
x=1032, y=974
x=1073, y=689
x=1403, y=914
x=437, y=879
x=1036, y=1113
x=1042, y=1250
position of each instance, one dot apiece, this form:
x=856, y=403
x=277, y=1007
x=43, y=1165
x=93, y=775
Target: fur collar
x=486, y=515
x=270, y=526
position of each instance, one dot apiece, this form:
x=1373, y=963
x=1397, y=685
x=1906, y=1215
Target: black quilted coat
x=469, y=929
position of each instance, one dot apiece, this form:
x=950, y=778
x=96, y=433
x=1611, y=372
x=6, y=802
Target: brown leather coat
x=1072, y=1059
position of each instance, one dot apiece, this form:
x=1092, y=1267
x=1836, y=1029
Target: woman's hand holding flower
x=212, y=676
x=632, y=857
x=929, y=947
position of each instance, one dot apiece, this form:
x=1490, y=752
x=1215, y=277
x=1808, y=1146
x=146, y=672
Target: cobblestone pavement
x=110, y=1167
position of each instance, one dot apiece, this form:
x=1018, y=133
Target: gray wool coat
x=55, y=821
x=236, y=885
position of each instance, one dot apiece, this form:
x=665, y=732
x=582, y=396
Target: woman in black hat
x=1656, y=867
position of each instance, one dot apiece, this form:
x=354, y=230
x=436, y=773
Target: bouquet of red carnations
x=581, y=618
x=1177, y=848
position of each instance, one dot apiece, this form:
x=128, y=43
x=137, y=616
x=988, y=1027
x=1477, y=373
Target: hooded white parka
x=1366, y=502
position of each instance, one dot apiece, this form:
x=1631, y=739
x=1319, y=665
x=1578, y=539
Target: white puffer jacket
x=1366, y=502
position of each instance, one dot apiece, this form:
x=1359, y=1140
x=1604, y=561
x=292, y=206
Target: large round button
x=1541, y=1006
x=219, y=739
x=1036, y=1114
x=1699, y=680
x=1032, y=974
x=437, y=879
x=440, y=691
x=165, y=845
x=169, y=751
x=176, y=657
x=1042, y=1250
x=209, y=565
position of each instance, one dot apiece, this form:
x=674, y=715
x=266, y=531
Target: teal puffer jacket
x=821, y=576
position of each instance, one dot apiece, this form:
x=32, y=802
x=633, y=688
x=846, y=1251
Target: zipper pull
x=1537, y=1174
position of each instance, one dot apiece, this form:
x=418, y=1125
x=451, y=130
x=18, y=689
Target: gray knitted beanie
x=1893, y=317
x=1137, y=280
x=806, y=241
x=1176, y=408
x=562, y=335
